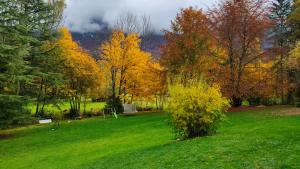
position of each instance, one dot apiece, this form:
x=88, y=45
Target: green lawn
x=66, y=106
x=254, y=139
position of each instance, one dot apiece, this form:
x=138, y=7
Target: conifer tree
x=25, y=27
x=280, y=11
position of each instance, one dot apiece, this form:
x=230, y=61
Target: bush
x=270, y=101
x=196, y=108
x=92, y=113
x=145, y=109
x=115, y=103
x=12, y=111
x=254, y=101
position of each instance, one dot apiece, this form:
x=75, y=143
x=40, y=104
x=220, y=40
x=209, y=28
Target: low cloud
x=80, y=15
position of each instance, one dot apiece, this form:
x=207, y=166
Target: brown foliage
x=240, y=27
x=190, y=48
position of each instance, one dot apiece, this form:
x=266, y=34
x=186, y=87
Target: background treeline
x=249, y=48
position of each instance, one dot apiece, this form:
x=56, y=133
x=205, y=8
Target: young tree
x=240, y=27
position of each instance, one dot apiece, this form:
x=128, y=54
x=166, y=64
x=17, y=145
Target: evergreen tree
x=45, y=55
x=294, y=22
x=26, y=26
x=280, y=11
x=14, y=48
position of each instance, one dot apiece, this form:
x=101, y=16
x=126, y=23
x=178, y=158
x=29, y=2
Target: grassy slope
x=247, y=140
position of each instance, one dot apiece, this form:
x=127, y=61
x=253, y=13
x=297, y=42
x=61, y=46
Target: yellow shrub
x=196, y=108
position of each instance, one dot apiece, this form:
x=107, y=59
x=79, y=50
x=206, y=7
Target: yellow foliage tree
x=130, y=71
x=81, y=71
x=293, y=64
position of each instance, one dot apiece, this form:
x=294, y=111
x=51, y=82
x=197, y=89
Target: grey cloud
x=79, y=15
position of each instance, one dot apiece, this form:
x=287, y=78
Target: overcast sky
x=79, y=14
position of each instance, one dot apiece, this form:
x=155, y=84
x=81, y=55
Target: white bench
x=45, y=121
x=129, y=109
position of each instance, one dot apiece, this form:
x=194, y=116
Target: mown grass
x=254, y=139
x=66, y=106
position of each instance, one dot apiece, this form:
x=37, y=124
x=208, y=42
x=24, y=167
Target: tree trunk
x=38, y=98
x=156, y=101
x=37, y=108
x=84, y=105
x=281, y=79
x=236, y=101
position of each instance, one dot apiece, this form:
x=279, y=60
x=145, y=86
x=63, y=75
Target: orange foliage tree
x=240, y=27
x=190, y=48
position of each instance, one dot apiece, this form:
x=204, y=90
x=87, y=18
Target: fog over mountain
x=81, y=16
x=90, y=21
x=91, y=41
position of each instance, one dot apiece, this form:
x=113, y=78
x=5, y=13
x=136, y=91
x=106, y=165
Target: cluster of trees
x=41, y=63
x=27, y=30
x=250, y=48
x=244, y=46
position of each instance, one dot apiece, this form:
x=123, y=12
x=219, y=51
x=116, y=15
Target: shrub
x=92, y=113
x=12, y=111
x=144, y=109
x=115, y=103
x=297, y=104
x=196, y=108
x=270, y=101
x=254, y=101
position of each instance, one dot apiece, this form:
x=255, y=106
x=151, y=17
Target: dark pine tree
x=280, y=11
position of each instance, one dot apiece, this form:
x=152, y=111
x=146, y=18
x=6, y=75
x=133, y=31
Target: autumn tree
x=293, y=63
x=81, y=71
x=146, y=81
x=240, y=27
x=127, y=66
x=190, y=49
x=259, y=82
x=115, y=62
